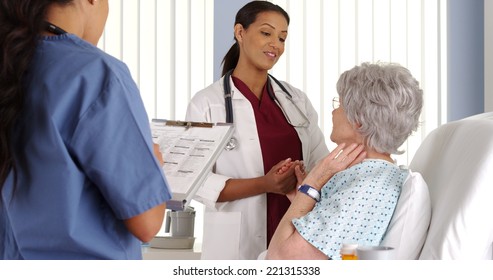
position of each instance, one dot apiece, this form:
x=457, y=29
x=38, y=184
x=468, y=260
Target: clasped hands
x=339, y=159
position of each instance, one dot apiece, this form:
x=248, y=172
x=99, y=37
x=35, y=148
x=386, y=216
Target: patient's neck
x=372, y=154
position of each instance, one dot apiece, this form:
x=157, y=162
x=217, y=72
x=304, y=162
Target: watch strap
x=310, y=191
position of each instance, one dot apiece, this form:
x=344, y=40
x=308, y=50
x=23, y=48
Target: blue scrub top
x=84, y=159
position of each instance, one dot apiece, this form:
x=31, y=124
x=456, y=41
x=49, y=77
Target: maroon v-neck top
x=278, y=141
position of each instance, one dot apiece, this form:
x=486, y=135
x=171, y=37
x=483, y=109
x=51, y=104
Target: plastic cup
x=375, y=253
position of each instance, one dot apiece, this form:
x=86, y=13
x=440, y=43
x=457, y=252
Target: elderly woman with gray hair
x=350, y=196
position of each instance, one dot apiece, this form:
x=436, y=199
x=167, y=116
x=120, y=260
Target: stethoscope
x=50, y=27
x=233, y=143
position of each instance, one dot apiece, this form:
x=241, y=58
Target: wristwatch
x=310, y=191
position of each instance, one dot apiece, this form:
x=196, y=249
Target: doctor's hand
x=339, y=159
x=281, y=178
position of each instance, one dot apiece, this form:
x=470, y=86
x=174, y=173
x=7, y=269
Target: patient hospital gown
x=356, y=207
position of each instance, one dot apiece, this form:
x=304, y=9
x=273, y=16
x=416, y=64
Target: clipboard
x=189, y=149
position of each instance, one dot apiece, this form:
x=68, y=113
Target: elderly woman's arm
x=287, y=243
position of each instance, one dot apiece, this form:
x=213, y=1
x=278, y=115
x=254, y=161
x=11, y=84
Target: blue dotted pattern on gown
x=356, y=207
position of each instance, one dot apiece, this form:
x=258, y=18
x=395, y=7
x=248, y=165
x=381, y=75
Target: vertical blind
x=328, y=37
x=168, y=46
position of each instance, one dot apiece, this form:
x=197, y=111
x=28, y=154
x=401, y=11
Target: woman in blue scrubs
x=78, y=174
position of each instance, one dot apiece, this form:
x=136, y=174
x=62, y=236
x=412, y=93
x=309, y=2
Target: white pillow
x=409, y=225
x=262, y=255
x=456, y=160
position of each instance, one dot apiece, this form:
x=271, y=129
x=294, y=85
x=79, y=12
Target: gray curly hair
x=384, y=101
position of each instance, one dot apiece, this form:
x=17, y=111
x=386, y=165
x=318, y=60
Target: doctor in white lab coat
x=235, y=222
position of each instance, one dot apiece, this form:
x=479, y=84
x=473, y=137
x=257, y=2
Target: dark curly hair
x=21, y=22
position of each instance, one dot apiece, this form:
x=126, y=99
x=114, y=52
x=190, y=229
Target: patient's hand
x=300, y=173
x=290, y=164
x=339, y=159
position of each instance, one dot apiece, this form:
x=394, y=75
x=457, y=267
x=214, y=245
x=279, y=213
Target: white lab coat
x=237, y=229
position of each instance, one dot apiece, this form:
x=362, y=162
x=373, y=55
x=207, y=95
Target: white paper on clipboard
x=189, y=151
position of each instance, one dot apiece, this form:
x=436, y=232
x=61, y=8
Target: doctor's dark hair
x=384, y=101
x=21, y=22
x=246, y=16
